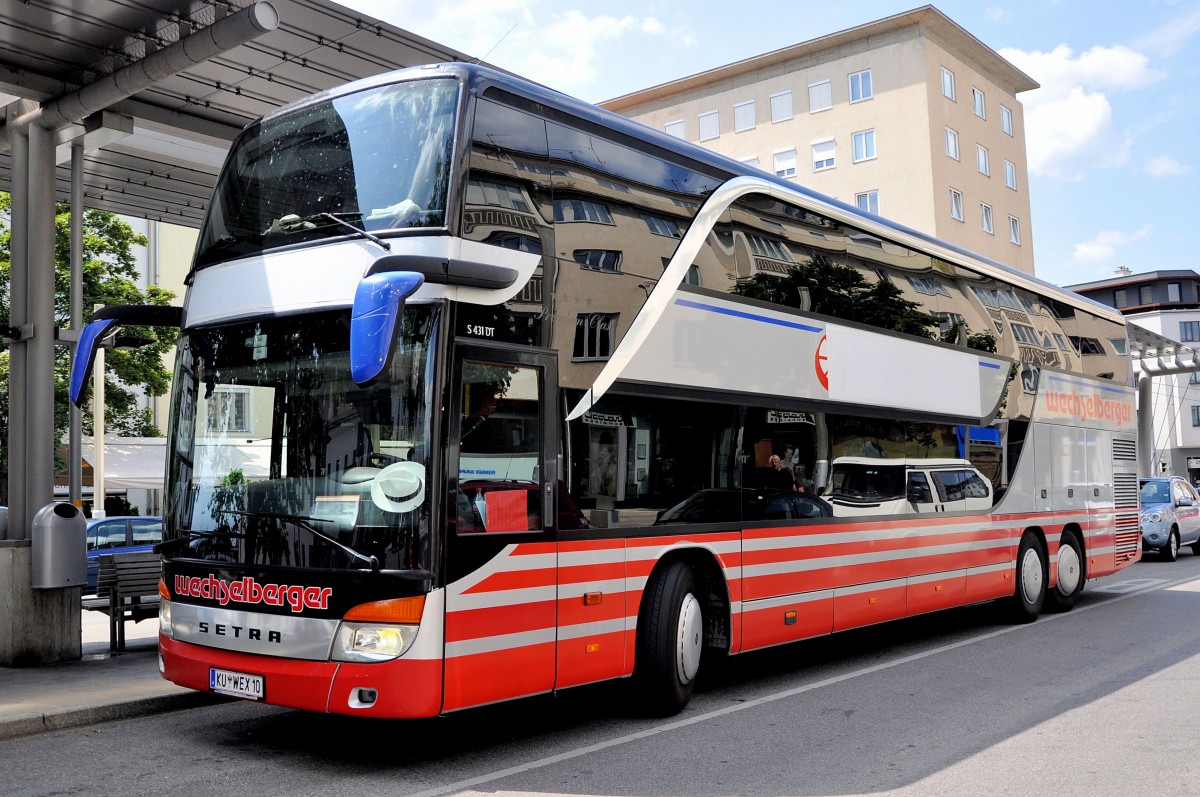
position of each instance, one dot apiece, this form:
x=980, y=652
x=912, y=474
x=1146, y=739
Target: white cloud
x=996, y=14
x=1106, y=243
x=1172, y=37
x=1069, y=121
x=558, y=47
x=1165, y=166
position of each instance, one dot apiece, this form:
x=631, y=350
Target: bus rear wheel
x=670, y=640
x=1026, y=602
x=1070, y=573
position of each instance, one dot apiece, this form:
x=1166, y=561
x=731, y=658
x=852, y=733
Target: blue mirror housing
x=106, y=321
x=85, y=355
x=375, y=321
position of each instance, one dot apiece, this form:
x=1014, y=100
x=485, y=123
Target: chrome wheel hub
x=689, y=641
x=1031, y=576
x=1069, y=570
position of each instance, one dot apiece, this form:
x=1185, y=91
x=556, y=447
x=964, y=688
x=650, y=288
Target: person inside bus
x=802, y=483
x=778, y=477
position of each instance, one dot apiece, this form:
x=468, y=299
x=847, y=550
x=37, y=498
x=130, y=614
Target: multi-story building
x=1166, y=302
x=910, y=117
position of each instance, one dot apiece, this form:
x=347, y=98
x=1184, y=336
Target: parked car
x=119, y=535
x=738, y=505
x=1170, y=516
x=870, y=486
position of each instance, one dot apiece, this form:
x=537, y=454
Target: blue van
x=118, y=535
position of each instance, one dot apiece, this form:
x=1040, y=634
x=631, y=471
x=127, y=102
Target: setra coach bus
x=483, y=392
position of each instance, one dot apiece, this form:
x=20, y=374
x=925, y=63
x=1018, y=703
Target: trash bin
x=59, y=542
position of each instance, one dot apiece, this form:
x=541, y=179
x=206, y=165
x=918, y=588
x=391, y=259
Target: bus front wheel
x=1026, y=602
x=670, y=640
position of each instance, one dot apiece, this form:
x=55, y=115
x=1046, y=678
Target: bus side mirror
x=375, y=321
x=105, y=323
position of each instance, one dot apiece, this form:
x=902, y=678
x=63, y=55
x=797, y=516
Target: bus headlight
x=164, y=619
x=371, y=642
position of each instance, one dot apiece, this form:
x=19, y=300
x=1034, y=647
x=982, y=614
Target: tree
x=842, y=292
x=109, y=277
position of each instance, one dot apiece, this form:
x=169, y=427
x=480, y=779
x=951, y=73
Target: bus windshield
x=377, y=159
x=276, y=457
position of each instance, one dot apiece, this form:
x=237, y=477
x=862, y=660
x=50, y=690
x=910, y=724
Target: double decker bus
x=483, y=392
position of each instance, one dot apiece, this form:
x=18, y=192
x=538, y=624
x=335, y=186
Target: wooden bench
x=126, y=589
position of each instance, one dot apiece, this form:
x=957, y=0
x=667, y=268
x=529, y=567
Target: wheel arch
x=715, y=601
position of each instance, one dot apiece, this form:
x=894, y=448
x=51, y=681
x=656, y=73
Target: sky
x=1111, y=134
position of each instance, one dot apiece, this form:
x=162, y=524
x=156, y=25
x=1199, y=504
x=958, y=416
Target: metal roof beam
x=219, y=37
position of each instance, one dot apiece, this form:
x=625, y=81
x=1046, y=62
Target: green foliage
x=842, y=292
x=109, y=277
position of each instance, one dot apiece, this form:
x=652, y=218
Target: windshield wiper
x=294, y=223
x=305, y=523
x=192, y=536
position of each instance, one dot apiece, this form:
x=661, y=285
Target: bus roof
x=480, y=79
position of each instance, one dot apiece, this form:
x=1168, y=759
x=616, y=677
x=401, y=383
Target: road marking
x=1130, y=585
x=1139, y=586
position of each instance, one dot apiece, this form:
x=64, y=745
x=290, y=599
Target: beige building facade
x=909, y=117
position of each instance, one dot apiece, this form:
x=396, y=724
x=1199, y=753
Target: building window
x=985, y=218
x=751, y=161
x=956, y=204
x=930, y=286
x=820, y=96
x=1189, y=330
x=1087, y=346
x=785, y=163
x=977, y=102
x=1194, y=378
x=1006, y=120
x=781, y=106
x=675, y=129
x=864, y=145
x=660, y=226
x=1146, y=294
x=1010, y=175
x=581, y=210
x=1023, y=333
x=860, y=86
x=486, y=192
x=868, y=201
x=1119, y=345
x=743, y=116
x=981, y=159
x=1172, y=291
x=1014, y=230
x=763, y=246
x=594, y=334
x=228, y=411
x=598, y=259
x=993, y=297
x=693, y=276
x=947, y=83
x=1119, y=298
x=710, y=125
x=824, y=155
x=952, y=143
x=1195, y=415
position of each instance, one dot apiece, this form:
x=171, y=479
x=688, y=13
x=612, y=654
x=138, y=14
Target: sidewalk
x=101, y=686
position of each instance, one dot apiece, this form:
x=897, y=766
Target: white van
x=867, y=486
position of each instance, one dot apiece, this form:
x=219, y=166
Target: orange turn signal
x=593, y=598
x=395, y=610
x=162, y=590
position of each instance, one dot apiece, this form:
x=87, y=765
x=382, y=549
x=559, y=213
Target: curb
x=34, y=723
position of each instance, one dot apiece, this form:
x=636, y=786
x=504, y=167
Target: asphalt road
x=1100, y=701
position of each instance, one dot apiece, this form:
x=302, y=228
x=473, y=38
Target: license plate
x=237, y=684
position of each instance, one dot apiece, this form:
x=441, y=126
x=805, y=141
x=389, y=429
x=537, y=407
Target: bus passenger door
x=501, y=557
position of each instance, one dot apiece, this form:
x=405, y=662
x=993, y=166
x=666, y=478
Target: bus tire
x=1070, y=573
x=670, y=640
x=1026, y=602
